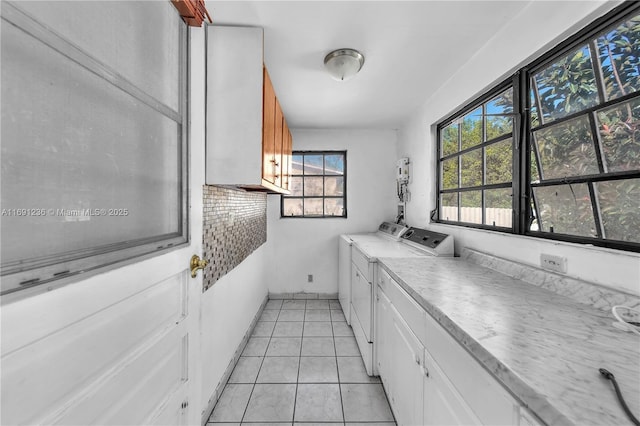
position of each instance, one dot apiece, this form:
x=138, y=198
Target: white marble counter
x=544, y=347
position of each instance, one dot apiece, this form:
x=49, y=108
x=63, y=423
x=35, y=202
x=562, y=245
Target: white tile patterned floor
x=302, y=366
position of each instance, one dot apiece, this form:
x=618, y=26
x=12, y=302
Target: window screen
x=93, y=146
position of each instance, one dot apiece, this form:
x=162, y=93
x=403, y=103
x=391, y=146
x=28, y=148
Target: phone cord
x=608, y=375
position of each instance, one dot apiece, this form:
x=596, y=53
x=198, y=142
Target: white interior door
x=120, y=347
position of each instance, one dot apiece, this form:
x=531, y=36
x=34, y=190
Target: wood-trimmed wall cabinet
x=248, y=141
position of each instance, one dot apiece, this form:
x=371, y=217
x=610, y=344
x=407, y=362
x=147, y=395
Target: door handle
x=197, y=263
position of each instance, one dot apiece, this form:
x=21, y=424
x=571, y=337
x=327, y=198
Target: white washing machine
x=387, y=231
x=364, y=253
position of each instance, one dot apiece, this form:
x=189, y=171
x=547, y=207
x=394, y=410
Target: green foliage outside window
x=584, y=145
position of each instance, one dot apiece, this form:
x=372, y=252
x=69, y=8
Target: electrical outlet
x=553, y=263
x=310, y=278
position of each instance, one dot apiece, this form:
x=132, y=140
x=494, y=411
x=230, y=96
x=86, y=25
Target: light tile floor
x=302, y=366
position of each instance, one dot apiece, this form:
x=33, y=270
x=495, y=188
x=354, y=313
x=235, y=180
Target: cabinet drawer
x=485, y=396
x=413, y=314
x=360, y=260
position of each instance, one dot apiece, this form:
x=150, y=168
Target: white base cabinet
x=407, y=385
x=344, y=276
x=429, y=377
x=442, y=404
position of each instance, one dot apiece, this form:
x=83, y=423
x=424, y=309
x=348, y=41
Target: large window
x=318, y=185
x=93, y=136
x=573, y=131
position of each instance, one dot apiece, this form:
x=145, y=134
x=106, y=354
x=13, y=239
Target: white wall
x=227, y=310
x=229, y=306
x=298, y=247
x=509, y=49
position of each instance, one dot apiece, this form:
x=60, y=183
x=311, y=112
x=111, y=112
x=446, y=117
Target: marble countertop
x=544, y=347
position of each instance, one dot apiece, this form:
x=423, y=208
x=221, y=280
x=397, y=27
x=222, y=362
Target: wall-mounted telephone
x=402, y=170
x=402, y=178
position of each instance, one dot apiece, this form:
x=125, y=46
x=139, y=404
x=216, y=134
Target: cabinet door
x=406, y=376
x=268, y=130
x=278, y=145
x=443, y=405
x=382, y=340
x=286, y=154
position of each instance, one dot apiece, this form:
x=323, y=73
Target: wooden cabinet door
x=278, y=143
x=268, y=130
x=289, y=158
x=286, y=154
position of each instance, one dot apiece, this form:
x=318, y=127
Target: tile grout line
x=295, y=398
x=332, y=322
x=255, y=381
x=335, y=348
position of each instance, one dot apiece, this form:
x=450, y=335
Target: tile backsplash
x=234, y=225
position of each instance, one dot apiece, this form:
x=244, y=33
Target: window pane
x=449, y=137
x=295, y=186
x=79, y=144
x=620, y=209
x=334, y=186
x=498, y=207
x=471, y=207
x=620, y=134
x=313, y=164
x=313, y=206
x=472, y=129
x=313, y=186
x=333, y=206
x=499, y=160
x=567, y=86
x=535, y=114
x=450, y=173
x=565, y=209
x=533, y=218
x=296, y=164
x=334, y=164
x=567, y=149
x=535, y=174
x=449, y=206
x=324, y=175
x=292, y=207
x=151, y=62
x=499, y=120
x=471, y=169
x=619, y=52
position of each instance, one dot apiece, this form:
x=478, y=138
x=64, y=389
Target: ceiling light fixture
x=343, y=64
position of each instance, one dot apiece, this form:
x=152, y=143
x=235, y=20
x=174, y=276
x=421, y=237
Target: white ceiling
x=410, y=49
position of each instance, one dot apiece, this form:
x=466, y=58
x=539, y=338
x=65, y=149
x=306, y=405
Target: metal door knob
x=197, y=263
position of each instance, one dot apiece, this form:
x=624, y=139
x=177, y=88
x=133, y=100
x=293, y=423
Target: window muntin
x=579, y=153
x=318, y=185
x=477, y=155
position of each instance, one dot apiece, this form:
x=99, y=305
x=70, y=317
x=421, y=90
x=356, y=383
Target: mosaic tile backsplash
x=234, y=225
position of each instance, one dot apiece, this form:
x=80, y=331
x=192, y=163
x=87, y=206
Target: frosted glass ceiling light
x=343, y=64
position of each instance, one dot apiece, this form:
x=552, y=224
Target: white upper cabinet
x=248, y=142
